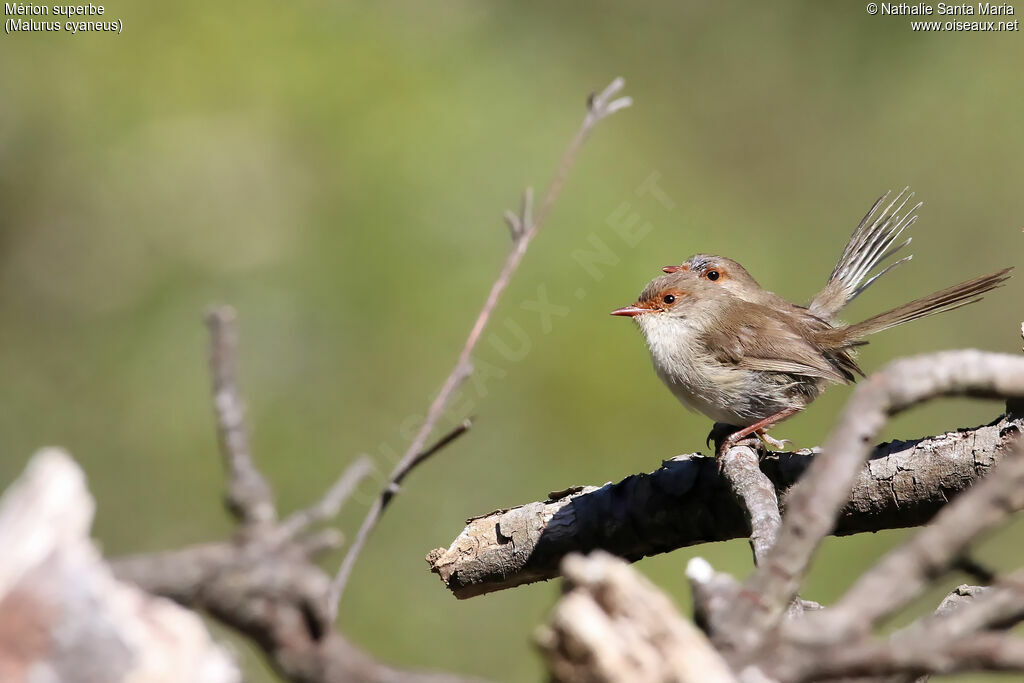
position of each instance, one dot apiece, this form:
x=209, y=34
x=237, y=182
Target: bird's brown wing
x=755, y=337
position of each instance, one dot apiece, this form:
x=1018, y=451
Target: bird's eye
x=712, y=275
x=669, y=298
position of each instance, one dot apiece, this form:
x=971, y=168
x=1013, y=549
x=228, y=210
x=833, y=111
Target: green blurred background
x=338, y=171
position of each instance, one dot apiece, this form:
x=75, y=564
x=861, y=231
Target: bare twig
x=812, y=506
x=524, y=230
x=519, y=223
x=248, y=495
x=756, y=492
x=316, y=543
x=331, y=503
x=399, y=476
x=377, y=509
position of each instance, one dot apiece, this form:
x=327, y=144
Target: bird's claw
x=777, y=444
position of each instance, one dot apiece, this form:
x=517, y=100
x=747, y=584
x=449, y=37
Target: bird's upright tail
x=944, y=300
x=870, y=244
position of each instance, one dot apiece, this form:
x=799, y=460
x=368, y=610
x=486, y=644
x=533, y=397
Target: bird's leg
x=758, y=428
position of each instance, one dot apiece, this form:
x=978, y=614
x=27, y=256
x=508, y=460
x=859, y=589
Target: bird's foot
x=736, y=439
x=727, y=436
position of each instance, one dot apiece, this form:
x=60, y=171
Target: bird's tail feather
x=870, y=244
x=939, y=302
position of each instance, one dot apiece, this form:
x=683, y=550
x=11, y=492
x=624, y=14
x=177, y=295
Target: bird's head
x=695, y=284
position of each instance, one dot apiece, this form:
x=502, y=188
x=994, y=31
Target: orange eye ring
x=712, y=275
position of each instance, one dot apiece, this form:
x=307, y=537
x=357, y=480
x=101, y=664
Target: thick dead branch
x=612, y=625
x=687, y=502
x=814, y=505
x=524, y=228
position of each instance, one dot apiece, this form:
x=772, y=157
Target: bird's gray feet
x=726, y=436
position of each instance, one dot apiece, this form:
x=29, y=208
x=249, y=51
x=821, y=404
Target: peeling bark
x=687, y=501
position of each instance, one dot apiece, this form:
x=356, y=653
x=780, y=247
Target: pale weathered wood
x=613, y=625
x=63, y=615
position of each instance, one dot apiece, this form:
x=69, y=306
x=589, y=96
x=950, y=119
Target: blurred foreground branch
x=613, y=625
x=264, y=581
x=748, y=626
x=63, y=615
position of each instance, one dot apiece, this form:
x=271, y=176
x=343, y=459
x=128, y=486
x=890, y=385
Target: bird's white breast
x=699, y=381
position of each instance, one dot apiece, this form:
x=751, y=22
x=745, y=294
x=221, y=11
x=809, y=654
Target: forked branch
x=815, y=502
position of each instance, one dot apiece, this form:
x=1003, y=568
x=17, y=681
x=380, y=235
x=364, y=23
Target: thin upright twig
x=248, y=496
x=328, y=506
x=378, y=507
x=523, y=231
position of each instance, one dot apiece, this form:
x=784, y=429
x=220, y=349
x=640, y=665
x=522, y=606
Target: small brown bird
x=748, y=358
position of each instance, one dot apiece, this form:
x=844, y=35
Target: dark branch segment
x=686, y=502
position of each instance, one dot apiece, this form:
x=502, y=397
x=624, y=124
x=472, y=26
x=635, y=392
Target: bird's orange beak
x=672, y=269
x=630, y=311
